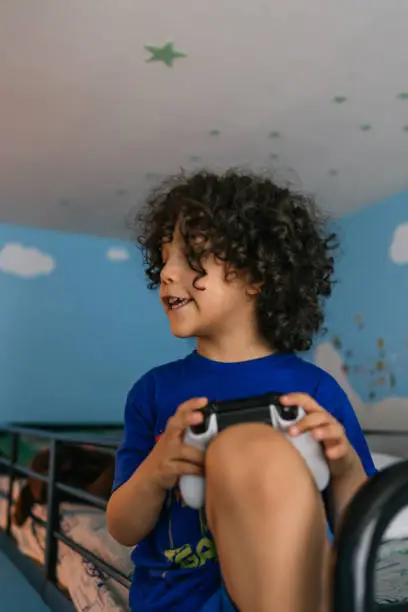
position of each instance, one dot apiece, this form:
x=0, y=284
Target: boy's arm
x=134, y=508
x=137, y=500
x=343, y=488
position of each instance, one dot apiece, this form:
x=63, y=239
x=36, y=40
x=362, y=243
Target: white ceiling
x=87, y=125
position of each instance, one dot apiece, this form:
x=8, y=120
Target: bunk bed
x=63, y=549
x=75, y=565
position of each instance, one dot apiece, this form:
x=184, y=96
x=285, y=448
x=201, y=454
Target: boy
x=243, y=266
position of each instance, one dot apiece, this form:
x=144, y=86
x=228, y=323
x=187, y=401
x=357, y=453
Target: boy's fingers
x=335, y=452
x=310, y=422
x=186, y=415
x=329, y=433
x=191, y=454
x=301, y=399
x=186, y=468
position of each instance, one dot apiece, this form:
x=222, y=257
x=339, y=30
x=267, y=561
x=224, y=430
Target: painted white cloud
x=26, y=262
x=388, y=413
x=117, y=254
x=399, y=245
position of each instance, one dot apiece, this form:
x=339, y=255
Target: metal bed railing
x=56, y=439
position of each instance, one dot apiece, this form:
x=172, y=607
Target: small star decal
x=405, y=128
x=403, y=95
x=214, y=132
x=333, y=172
x=152, y=176
x=274, y=156
x=166, y=54
x=121, y=192
x=195, y=158
x=274, y=134
x=339, y=99
x=366, y=127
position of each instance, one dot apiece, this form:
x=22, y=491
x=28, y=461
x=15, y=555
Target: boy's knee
x=255, y=462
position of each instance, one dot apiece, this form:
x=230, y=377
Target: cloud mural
x=388, y=413
x=25, y=262
x=117, y=254
x=399, y=245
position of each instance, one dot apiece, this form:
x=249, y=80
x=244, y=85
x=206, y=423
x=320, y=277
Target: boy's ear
x=254, y=289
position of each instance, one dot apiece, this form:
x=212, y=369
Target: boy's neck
x=233, y=350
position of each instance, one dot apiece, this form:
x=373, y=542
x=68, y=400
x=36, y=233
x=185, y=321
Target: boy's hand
x=326, y=429
x=171, y=458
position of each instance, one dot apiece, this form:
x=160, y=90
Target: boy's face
x=217, y=307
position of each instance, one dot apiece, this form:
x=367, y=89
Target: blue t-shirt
x=176, y=565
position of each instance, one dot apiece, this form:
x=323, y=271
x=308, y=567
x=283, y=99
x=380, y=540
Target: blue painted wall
x=367, y=317
x=73, y=341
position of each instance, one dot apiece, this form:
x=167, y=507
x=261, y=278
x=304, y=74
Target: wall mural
x=399, y=245
x=372, y=368
x=377, y=370
x=90, y=305
x=30, y=262
x=387, y=412
x=77, y=326
x=117, y=254
x=26, y=262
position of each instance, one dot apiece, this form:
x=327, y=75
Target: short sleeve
x=138, y=437
x=333, y=399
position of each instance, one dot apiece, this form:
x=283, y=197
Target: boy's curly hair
x=256, y=227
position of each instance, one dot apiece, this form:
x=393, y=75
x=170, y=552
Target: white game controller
x=264, y=409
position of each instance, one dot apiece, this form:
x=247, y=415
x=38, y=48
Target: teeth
x=175, y=301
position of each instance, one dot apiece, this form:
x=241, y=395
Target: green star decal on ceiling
x=366, y=127
x=215, y=132
x=121, y=191
x=274, y=134
x=166, y=54
x=333, y=172
x=152, y=176
x=274, y=156
x=339, y=99
x=403, y=95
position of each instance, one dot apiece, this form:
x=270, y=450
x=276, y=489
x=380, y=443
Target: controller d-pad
x=288, y=413
x=201, y=428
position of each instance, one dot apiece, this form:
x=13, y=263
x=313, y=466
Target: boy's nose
x=169, y=273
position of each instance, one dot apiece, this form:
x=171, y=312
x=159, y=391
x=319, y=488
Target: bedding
x=89, y=589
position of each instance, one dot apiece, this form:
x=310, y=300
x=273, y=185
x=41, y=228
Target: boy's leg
x=268, y=521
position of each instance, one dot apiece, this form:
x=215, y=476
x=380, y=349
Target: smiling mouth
x=176, y=303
